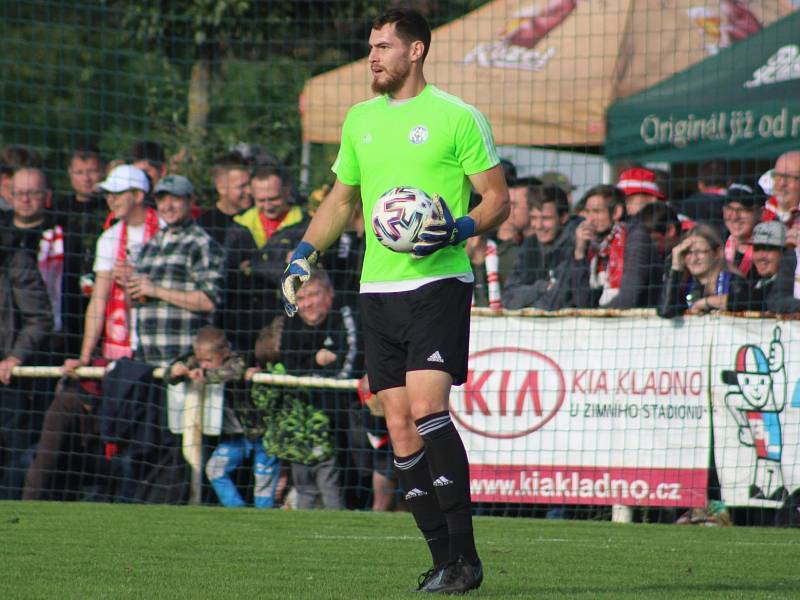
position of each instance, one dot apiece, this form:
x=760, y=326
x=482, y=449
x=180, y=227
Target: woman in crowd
x=700, y=280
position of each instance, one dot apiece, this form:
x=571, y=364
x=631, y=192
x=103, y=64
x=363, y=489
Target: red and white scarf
x=730, y=255
x=493, y=275
x=773, y=212
x=607, y=262
x=492, y=265
x=117, y=333
x=50, y=258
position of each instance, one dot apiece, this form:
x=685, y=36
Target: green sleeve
x=346, y=165
x=474, y=142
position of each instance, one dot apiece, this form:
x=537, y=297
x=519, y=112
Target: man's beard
x=394, y=79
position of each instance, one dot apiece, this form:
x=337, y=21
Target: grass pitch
x=87, y=551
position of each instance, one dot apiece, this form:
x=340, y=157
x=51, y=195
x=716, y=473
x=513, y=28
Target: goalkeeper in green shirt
x=416, y=307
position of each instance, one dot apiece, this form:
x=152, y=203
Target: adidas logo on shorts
x=415, y=493
x=442, y=481
x=436, y=357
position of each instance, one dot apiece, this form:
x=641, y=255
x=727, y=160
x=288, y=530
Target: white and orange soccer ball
x=398, y=215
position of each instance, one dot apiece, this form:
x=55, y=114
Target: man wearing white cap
x=109, y=311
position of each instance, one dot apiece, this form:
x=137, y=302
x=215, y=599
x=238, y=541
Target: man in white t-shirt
x=109, y=312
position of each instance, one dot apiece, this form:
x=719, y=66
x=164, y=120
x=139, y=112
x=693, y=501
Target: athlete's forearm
x=494, y=205
x=491, y=212
x=332, y=216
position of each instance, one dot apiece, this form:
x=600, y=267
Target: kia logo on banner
x=509, y=393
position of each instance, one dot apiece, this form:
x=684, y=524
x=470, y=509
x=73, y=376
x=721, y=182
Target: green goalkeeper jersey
x=432, y=142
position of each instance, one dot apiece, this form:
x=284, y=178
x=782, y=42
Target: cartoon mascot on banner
x=754, y=404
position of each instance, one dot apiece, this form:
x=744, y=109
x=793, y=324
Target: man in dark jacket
x=82, y=214
x=542, y=258
x=323, y=342
x=25, y=321
x=236, y=315
x=611, y=265
x=36, y=231
x=773, y=289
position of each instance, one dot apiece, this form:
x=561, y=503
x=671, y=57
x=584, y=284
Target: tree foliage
x=113, y=71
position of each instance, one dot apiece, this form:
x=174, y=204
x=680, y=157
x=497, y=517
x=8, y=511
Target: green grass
x=53, y=550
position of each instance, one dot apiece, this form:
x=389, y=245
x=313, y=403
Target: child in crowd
x=212, y=361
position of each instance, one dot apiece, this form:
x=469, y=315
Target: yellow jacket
x=252, y=221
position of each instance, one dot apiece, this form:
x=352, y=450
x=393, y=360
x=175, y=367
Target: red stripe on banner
x=532, y=484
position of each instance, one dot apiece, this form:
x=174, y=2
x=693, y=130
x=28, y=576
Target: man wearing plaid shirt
x=179, y=277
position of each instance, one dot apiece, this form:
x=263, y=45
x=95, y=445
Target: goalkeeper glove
x=296, y=274
x=441, y=230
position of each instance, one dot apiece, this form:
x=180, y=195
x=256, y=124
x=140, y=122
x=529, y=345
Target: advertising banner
x=586, y=411
x=631, y=410
x=756, y=416
x=740, y=103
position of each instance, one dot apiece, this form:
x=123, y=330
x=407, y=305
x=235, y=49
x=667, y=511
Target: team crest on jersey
x=366, y=138
x=418, y=135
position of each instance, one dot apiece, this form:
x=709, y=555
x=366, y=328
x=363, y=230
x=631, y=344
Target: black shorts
x=425, y=328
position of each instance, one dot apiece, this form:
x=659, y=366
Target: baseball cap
x=771, y=233
x=123, y=178
x=639, y=180
x=557, y=179
x=747, y=196
x=176, y=185
x=749, y=359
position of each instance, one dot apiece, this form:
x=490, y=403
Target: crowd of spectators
x=127, y=271
x=128, y=267
x=728, y=246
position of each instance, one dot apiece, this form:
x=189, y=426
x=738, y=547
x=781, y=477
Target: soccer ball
x=398, y=215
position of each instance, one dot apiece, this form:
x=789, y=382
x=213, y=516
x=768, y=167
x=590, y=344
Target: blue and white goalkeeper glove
x=441, y=230
x=296, y=274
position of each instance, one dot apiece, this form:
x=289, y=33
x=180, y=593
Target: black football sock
x=414, y=476
x=449, y=470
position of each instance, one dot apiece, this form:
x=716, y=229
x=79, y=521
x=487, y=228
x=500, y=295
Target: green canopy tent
x=741, y=103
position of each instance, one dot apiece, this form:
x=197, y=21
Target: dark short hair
x=276, y=170
x=15, y=157
x=657, y=217
x=714, y=172
x=230, y=161
x=550, y=194
x=409, y=24
x=610, y=193
x=86, y=152
x=152, y=152
x=510, y=172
